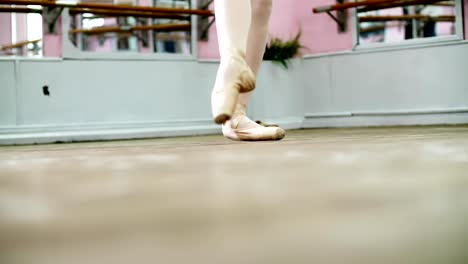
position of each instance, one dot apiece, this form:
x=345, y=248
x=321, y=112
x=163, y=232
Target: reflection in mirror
x=132, y=30
x=171, y=42
x=396, y=22
x=21, y=31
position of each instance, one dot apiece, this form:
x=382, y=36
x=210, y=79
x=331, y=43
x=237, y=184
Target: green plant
x=281, y=52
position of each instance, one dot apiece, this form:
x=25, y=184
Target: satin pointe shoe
x=234, y=77
x=240, y=127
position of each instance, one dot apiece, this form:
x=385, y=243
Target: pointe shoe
x=240, y=127
x=234, y=77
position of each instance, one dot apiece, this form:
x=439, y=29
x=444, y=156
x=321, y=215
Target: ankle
x=238, y=115
x=233, y=53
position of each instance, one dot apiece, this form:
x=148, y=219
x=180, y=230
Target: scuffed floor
x=363, y=195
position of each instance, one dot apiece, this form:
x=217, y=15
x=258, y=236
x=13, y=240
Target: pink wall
x=5, y=28
x=319, y=31
x=52, y=42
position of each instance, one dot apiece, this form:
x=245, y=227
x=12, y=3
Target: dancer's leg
x=256, y=43
x=241, y=127
x=233, y=18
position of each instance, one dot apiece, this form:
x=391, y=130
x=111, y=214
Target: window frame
x=457, y=37
x=71, y=52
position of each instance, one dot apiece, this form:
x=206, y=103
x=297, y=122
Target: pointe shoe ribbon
x=234, y=77
x=265, y=124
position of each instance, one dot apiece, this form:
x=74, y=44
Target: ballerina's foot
x=234, y=77
x=240, y=127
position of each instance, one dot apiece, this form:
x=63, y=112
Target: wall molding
x=31, y=134
x=95, y=132
x=40, y=134
x=456, y=110
x=381, y=120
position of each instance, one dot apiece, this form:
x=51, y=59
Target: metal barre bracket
x=51, y=15
x=204, y=23
x=340, y=18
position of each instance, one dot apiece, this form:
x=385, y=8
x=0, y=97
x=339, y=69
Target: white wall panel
x=7, y=93
x=279, y=92
x=114, y=91
x=318, y=93
x=431, y=77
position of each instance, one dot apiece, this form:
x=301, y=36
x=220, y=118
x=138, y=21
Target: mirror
x=396, y=22
x=21, y=31
x=132, y=31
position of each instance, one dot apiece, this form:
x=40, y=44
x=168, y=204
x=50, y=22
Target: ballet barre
x=406, y=17
x=369, y=5
x=123, y=13
x=376, y=4
x=90, y=6
x=344, y=6
x=101, y=12
x=19, y=44
x=340, y=8
x=400, y=3
x=123, y=29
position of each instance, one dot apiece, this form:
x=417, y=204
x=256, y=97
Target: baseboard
x=41, y=134
x=396, y=118
x=14, y=135
x=287, y=123
x=100, y=132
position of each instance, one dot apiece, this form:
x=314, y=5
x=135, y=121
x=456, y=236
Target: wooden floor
x=367, y=195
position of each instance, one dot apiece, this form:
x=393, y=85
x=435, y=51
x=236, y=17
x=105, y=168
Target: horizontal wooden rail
x=102, y=12
x=368, y=5
x=406, y=17
x=199, y=12
x=322, y=9
x=103, y=30
x=397, y=4
x=121, y=13
x=18, y=44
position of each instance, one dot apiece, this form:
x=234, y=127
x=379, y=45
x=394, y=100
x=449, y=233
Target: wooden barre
x=398, y=4
x=102, y=30
x=18, y=44
x=103, y=12
x=122, y=13
x=372, y=5
x=322, y=9
x=199, y=12
x=407, y=17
